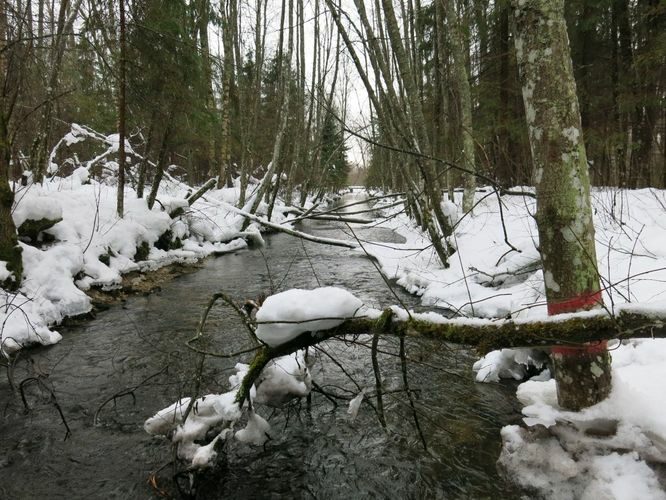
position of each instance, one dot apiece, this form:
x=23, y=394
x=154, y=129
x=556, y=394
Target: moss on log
x=142, y=251
x=30, y=229
x=481, y=335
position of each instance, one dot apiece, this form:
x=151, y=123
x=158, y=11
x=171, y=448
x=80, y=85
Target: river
x=316, y=450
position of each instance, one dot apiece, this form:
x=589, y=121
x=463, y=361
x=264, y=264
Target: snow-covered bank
x=91, y=247
x=577, y=456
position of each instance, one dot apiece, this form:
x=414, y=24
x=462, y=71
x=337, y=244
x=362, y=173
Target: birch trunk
x=564, y=214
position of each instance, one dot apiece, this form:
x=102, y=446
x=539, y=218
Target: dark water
x=316, y=450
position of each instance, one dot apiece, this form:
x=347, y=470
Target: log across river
x=316, y=449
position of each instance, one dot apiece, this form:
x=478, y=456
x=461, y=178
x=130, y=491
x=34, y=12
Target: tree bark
x=282, y=128
x=564, y=214
x=10, y=251
x=225, y=177
x=461, y=80
x=120, y=202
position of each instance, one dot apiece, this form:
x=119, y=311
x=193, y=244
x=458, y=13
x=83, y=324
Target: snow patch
x=284, y=316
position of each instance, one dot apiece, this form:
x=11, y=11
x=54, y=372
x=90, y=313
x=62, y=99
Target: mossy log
x=482, y=335
x=30, y=229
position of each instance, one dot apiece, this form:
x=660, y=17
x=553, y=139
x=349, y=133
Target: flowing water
x=135, y=351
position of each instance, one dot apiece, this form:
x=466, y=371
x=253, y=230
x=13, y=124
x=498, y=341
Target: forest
x=405, y=203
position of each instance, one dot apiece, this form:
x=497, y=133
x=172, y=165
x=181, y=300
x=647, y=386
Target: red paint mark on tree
x=581, y=302
x=592, y=349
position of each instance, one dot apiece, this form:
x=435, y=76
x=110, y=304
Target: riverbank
x=84, y=250
x=615, y=449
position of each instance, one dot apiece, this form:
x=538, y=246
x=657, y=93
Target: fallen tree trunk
x=484, y=335
x=283, y=229
x=341, y=218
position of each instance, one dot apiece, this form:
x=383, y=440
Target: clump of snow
x=508, y=363
x=38, y=207
x=205, y=455
x=354, y=405
x=283, y=379
x=256, y=430
x=284, y=316
x=4, y=272
x=211, y=411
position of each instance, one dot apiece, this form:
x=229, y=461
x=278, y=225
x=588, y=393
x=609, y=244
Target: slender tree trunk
x=10, y=251
x=120, y=205
x=461, y=80
x=564, y=214
x=224, y=175
x=284, y=115
x=143, y=165
x=161, y=163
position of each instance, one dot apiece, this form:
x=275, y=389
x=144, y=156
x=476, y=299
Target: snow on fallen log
x=283, y=229
x=284, y=316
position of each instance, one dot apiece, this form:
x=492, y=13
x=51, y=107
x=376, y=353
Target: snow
x=286, y=377
x=606, y=451
x=354, y=405
x=508, y=363
x=40, y=206
x=284, y=316
x=255, y=432
x=4, y=272
x=541, y=464
x=283, y=379
x=92, y=247
x=557, y=454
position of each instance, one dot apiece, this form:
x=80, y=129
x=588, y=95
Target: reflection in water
x=316, y=450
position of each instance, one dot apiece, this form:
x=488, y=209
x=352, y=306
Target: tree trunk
x=161, y=163
x=10, y=251
x=465, y=102
x=120, y=205
x=225, y=156
x=282, y=128
x=564, y=214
